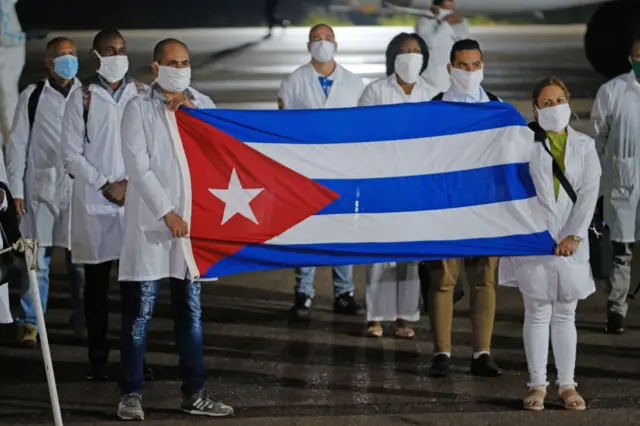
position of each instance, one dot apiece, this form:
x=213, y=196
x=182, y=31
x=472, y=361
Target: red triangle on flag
x=276, y=196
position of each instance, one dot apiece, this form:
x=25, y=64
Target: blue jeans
x=76, y=279
x=138, y=303
x=342, y=280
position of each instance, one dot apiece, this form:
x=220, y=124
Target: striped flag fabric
x=282, y=189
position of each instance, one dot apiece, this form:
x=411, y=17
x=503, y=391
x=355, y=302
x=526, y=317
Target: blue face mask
x=66, y=66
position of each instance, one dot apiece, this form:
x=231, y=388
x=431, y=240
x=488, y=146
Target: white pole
x=30, y=246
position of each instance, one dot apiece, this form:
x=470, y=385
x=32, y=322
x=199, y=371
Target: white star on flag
x=236, y=199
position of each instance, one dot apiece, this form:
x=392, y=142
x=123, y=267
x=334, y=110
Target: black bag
x=10, y=234
x=600, y=249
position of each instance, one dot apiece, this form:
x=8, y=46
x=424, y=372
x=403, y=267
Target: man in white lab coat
x=440, y=28
x=38, y=182
x=616, y=127
x=12, y=57
x=92, y=155
x=152, y=249
x=466, y=69
x=322, y=83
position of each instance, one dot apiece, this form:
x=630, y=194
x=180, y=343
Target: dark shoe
x=148, y=373
x=440, y=366
x=301, y=308
x=201, y=404
x=485, y=366
x=97, y=373
x=615, y=323
x=345, y=304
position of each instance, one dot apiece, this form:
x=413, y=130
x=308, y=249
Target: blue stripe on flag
x=263, y=256
x=363, y=124
x=487, y=185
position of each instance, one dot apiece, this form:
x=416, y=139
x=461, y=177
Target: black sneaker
x=346, y=304
x=485, y=366
x=201, y=404
x=97, y=373
x=301, y=307
x=440, y=366
x=130, y=407
x=615, y=323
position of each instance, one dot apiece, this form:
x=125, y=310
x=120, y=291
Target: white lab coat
x=440, y=37
x=36, y=170
x=149, y=252
x=387, y=91
x=616, y=126
x=551, y=278
x=393, y=288
x=96, y=232
x=12, y=58
x=302, y=90
x=451, y=95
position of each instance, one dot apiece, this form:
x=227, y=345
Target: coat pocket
x=623, y=176
x=45, y=185
x=97, y=204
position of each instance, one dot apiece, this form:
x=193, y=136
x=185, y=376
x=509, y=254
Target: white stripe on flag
x=5, y=311
x=482, y=221
x=410, y=157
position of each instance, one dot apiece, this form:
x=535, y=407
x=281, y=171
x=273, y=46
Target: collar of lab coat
x=155, y=93
x=452, y=95
x=393, y=81
x=311, y=76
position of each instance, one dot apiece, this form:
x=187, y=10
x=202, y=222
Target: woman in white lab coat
x=551, y=286
x=393, y=289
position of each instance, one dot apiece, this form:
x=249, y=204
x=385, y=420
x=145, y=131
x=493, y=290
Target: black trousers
x=270, y=10
x=96, y=311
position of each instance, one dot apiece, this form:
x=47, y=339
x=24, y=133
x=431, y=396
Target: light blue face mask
x=66, y=66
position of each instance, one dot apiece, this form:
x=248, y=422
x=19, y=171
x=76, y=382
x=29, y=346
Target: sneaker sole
x=138, y=417
x=202, y=413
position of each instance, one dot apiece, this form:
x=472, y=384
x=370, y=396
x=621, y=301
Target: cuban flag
x=282, y=189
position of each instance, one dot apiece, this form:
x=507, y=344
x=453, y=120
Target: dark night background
x=93, y=14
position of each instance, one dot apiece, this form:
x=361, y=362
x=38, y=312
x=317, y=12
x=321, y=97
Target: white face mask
x=175, y=80
x=408, y=66
x=322, y=50
x=113, y=68
x=444, y=13
x=465, y=81
x=555, y=118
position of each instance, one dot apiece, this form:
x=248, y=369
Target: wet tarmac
x=277, y=372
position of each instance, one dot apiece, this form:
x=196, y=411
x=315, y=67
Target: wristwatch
x=576, y=238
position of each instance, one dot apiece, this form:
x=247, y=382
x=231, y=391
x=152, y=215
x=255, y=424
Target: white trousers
x=393, y=292
x=541, y=319
x=11, y=64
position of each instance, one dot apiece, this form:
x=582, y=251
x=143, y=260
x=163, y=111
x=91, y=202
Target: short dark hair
x=466, y=44
x=395, y=45
x=52, y=46
x=158, y=51
x=104, y=36
x=438, y=2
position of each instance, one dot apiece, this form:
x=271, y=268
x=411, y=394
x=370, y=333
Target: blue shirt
x=325, y=83
x=116, y=94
